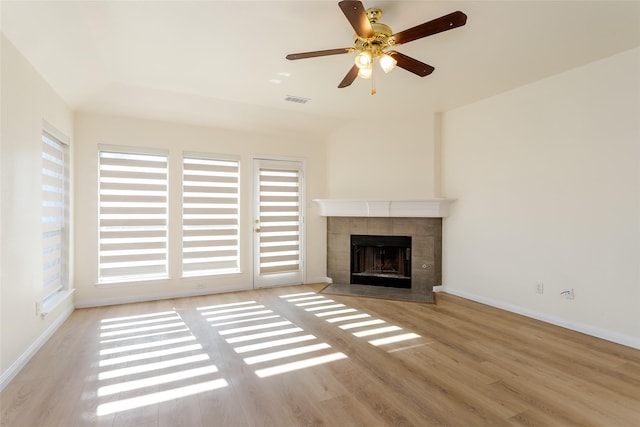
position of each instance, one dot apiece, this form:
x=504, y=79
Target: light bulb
x=365, y=73
x=363, y=60
x=387, y=62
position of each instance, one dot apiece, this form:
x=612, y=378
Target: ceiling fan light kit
x=387, y=63
x=372, y=39
x=364, y=59
x=365, y=73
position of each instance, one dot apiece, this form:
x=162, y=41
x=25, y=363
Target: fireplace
x=425, y=254
x=421, y=220
x=381, y=260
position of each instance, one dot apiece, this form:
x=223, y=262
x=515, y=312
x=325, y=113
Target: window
x=55, y=207
x=210, y=216
x=133, y=216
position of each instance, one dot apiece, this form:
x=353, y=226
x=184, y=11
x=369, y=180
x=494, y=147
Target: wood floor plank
x=348, y=411
x=294, y=357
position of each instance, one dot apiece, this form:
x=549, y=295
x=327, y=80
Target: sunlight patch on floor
x=149, y=355
x=377, y=331
x=306, y=298
x=272, y=344
x=346, y=318
x=253, y=319
x=384, y=332
x=254, y=327
x=150, y=367
x=158, y=379
x=285, y=353
x=315, y=302
x=243, y=338
x=394, y=339
x=138, y=322
x=153, y=359
x=149, y=335
x=299, y=364
x=159, y=397
x=237, y=316
x=146, y=345
x=324, y=307
x=142, y=329
x=277, y=342
x=361, y=324
x=333, y=313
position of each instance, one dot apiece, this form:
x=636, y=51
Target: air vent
x=297, y=99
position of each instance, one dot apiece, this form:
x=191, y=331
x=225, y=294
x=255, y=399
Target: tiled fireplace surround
x=426, y=242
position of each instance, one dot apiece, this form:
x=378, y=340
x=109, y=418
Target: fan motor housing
x=381, y=33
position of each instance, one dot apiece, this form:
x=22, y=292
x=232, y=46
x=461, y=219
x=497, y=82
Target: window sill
x=132, y=282
x=210, y=274
x=53, y=301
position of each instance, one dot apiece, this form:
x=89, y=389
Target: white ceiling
x=212, y=62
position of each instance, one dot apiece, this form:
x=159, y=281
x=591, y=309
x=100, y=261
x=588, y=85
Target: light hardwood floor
x=292, y=357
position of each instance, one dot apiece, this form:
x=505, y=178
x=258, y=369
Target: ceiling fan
x=373, y=38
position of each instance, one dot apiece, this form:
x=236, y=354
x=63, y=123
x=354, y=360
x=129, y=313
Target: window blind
x=133, y=216
x=279, y=221
x=210, y=216
x=54, y=214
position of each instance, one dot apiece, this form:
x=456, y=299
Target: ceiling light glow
x=387, y=62
x=365, y=73
x=364, y=60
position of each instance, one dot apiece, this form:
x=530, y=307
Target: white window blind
x=210, y=216
x=133, y=216
x=279, y=221
x=54, y=214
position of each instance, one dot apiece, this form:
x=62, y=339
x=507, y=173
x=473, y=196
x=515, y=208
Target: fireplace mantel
x=431, y=208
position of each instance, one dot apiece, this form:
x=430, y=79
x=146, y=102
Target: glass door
x=278, y=223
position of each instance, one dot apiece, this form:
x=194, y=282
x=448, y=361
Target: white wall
x=547, y=179
x=94, y=129
x=27, y=101
x=384, y=159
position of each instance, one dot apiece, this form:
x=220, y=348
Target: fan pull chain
x=373, y=80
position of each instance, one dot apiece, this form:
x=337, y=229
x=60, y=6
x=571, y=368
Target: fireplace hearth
x=381, y=261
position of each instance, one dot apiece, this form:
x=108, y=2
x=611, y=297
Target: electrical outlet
x=539, y=288
x=568, y=293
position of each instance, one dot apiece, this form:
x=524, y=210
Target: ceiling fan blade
x=438, y=25
x=350, y=77
x=357, y=17
x=413, y=65
x=304, y=55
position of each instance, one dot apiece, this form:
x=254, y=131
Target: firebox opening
x=381, y=260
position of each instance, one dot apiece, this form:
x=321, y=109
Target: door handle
x=257, y=230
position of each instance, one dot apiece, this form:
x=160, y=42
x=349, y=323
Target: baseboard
x=318, y=280
x=20, y=363
x=144, y=298
x=605, y=334
x=191, y=293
